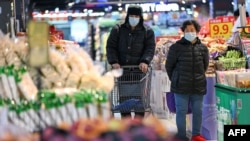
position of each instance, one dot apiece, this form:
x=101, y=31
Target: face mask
x=133, y=21
x=190, y=36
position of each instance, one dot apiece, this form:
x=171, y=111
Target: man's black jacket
x=128, y=47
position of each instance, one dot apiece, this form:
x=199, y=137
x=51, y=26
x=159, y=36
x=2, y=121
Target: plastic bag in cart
x=128, y=105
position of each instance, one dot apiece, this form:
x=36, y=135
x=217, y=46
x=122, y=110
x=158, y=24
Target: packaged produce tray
x=230, y=64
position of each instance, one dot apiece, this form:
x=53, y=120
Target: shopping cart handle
x=130, y=66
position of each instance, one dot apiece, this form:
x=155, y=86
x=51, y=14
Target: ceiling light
x=71, y=4
x=56, y=9
x=90, y=11
x=196, y=14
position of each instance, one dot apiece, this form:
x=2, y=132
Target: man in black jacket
x=187, y=62
x=131, y=43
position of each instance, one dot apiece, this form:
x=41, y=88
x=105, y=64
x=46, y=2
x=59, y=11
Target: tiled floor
x=170, y=125
x=168, y=121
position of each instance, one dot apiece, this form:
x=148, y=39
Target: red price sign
x=221, y=27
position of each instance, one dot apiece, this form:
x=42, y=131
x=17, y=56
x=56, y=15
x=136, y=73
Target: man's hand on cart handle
x=116, y=66
x=143, y=67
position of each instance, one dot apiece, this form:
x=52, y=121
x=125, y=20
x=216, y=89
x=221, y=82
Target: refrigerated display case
x=232, y=107
x=209, y=121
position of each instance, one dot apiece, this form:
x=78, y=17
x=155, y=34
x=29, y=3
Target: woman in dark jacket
x=131, y=43
x=187, y=62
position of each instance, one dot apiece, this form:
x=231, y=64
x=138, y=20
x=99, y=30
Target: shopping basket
x=131, y=92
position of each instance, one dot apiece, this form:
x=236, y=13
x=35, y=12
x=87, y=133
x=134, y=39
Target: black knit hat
x=134, y=10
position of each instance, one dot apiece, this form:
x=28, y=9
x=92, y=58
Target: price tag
x=38, y=39
x=221, y=27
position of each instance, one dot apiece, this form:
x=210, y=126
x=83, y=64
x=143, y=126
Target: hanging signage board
x=204, y=29
x=221, y=27
x=153, y=7
x=38, y=39
x=241, y=1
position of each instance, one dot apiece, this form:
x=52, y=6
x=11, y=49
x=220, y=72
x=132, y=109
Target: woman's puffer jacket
x=186, y=66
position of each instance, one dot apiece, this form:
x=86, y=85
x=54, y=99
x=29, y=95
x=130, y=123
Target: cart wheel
x=132, y=114
x=148, y=112
x=117, y=116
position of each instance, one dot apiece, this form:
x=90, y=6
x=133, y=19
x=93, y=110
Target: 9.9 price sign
x=221, y=28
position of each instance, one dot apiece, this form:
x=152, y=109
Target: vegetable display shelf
x=52, y=110
x=232, y=106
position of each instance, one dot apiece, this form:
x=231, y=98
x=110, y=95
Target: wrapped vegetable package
x=76, y=63
x=13, y=59
x=50, y=73
x=58, y=61
x=27, y=87
x=72, y=81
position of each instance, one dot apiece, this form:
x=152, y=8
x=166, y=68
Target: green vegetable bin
x=232, y=107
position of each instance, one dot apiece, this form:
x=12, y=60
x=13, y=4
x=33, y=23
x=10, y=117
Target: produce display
x=52, y=110
x=71, y=69
x=235, y=78
x=231, y=60
x=246, y=45
x=16, y=83
x=161, y=51
x=148, y=129
x=215, y=47
x=127, y=129
x=71, y=86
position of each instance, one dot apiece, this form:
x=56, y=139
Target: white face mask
x=190, y=36
x=133, y=21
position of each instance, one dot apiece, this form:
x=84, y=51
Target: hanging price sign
x=221, y=27
x=38, y=33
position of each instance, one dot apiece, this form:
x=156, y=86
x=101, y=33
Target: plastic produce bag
x=171, y=103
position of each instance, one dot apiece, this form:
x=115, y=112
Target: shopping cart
x=131, y=92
